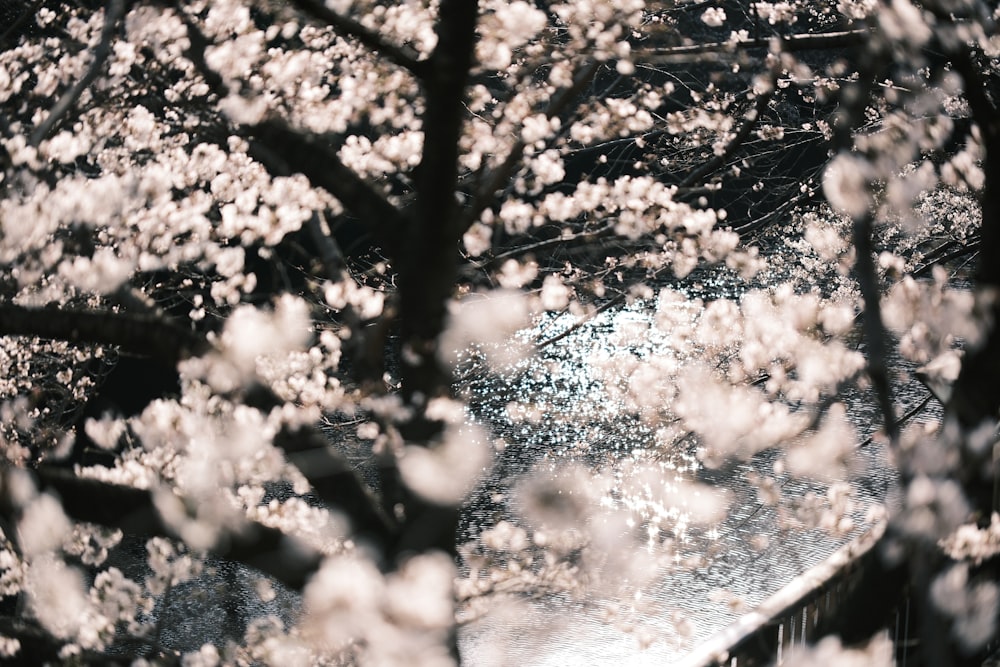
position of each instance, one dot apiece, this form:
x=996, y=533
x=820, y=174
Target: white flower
x=341, y=600
x=66, y=146
x=771, y=133
x=846, y=185
x=538, y=127
x=856, y=9
x=56, y=596
x=904, y=22
x=418, y=595
x=714, y=16
x=9, y=647
x=43, y=526
x=478, y=239
x=555, y=295
x=520, y=21
x=487, y=322
x=445, y=473
x=973, y=606
x=777, y=12
x=105, y=431
x=830, y=653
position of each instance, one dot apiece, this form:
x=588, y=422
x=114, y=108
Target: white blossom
x=714, y=16
x=56, y=597
x=446, y=472
x=43, y=526
x=846, y=185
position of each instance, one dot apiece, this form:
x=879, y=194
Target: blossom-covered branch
x=789, y=43
x=750, y=122
x=149, y=335
x=286, y=151
x=135, y=512
x=113, y=13
x=500, y=175
x=400, y=55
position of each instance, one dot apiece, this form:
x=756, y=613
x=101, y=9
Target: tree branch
x=975, y=397
x=133, y=511
x=428, y=265
x=402, y=56
x=582, y=237
x=791, y=44
x=874, y=331
x=334, y=482
x=38, y=647
x=197, y=44
x=330, y=254
x=285, y=151
x=112, y=15
x=147, y=335
x=749, y=123
x=985, y=114
x=501, y=175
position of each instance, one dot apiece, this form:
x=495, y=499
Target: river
x=640, y=596
x=686, y=581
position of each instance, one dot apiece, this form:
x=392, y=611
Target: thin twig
x=587, y=235
x=750, y=122
x=501, y=174
x=792, y=43
x=582, y=321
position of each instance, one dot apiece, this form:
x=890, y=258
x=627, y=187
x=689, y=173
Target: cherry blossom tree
x=239, y=237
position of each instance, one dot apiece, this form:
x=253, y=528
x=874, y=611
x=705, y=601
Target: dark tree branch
x=974, y=400
x=850, y=117
x=584, y=237
x=133, y=511
x=617, y=300
x=402, y=56
x=791, y=44
x=874, y=331
x=428, y=267
x=283, y=151
x=984, y=111
x=147, y=335
x=330, y=253
x=15, y=25
x=750, y=122
x=334, y=482
x=278, y=147
x=986, y=115
x=38, y=647
x=501, y=175
x=196, y=53
x=112, y=15
x=975, y=397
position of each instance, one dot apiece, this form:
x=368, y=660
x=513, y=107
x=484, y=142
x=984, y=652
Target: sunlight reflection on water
x=555, y=410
